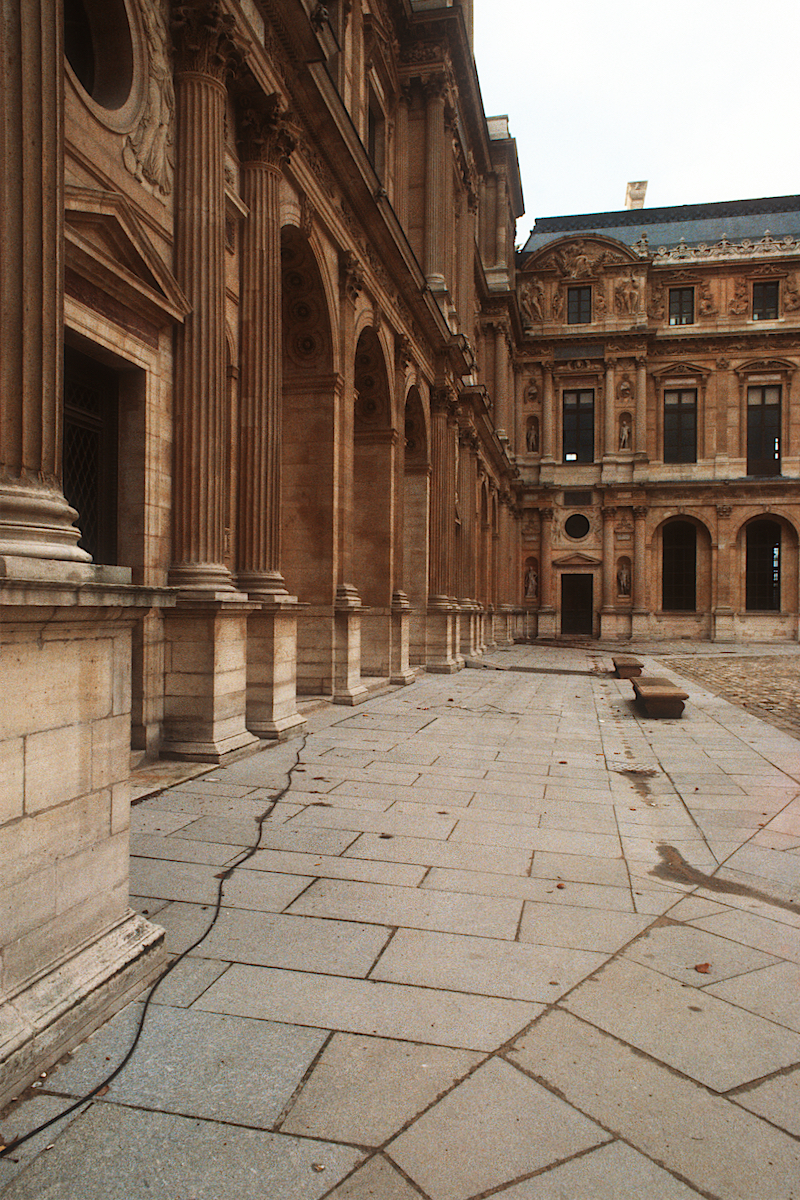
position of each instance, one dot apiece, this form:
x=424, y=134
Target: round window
x=577, y=526
x=99, y=48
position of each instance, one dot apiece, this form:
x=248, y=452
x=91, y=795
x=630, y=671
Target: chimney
x=635, y=193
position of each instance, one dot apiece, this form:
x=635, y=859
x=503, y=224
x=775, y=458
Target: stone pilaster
x=721, y=575
x=205, y=52
x=548, y=414
x=639, y=572
x=547, y=612
x=609, y=422
x=35, y=519
x=443, y=649
x=501, y=360
x=640, y=419
x=609, y=572
x=436, y=167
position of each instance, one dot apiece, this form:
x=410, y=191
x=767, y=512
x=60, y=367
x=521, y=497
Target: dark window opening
x=680, y=426
x=99, y=48
x=579, y=305
x=376, y=134
x=78, y=45
x=681, y=306
x=763, y=570
x=765, y=301
x=574, y=499
x=679, y=567
x=764, y=430
x=90, y=452
x=579, y=426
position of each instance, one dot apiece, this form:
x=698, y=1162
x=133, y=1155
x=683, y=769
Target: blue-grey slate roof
x=695, y=223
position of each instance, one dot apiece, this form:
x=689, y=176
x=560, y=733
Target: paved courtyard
x=502, y=936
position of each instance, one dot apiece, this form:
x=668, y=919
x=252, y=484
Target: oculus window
x=763, y=570
x=579, y=426
x=680, y=426
x=579, y=305
x=765, y=301
x=764, y=430
x=679, y=567
x=681, y=306
x=577, y=526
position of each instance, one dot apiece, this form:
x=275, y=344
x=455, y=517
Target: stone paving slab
x=491, y=892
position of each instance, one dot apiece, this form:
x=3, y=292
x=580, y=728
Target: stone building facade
x=657, y=422
x=256, y=419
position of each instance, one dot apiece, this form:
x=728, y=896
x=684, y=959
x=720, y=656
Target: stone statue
x=531, y=584
x=558, y=303
x=626, y=297
x=625, y=434
x=532, y=436
x=624, y=579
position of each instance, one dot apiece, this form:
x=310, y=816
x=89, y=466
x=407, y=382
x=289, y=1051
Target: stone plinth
x=71, y=950
x=347, y=685
x=271, y=652
x=401, y=671
x=205, y=679
x=444, y=655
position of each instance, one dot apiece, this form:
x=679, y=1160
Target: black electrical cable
x=223, y=876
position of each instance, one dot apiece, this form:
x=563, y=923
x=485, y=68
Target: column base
x=724, y=629
x=59, y=1009
x=444, y=657
x=615, y=625
x=347, y=686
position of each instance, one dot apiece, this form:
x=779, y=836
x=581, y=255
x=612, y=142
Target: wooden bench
x=626, y=666
x=659, y=697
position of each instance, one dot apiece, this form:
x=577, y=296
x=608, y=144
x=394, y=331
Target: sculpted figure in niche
x=625, y=433
x=558, y=303
x=624, y=578
x=146, y=149
x=705, y=302
x=531, y=583
x=532, y=436
x=740, y=304
x=531, y=301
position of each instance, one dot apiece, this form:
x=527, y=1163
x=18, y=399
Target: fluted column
x=501, y=379
x=265, y=145
x=466, y=499
x=640, y=421
x=548, y=413
x=205, y=50
x=436, y=222
x=546, y=565
x=609, y=423
x=35, y=519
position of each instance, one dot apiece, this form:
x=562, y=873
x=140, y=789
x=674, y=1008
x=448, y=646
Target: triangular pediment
x=106, y=244
x=576, y=560
x=579, y=257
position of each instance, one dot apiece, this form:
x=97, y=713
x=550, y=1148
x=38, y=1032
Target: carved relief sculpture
x=740, y=303
x=705, y=303
x=557, y=303
x=531, y=302
x=657, y=309
x=791, y=296
x=626, y=297
x=146, y=153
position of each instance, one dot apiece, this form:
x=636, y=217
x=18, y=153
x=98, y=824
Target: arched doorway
x=416, y=538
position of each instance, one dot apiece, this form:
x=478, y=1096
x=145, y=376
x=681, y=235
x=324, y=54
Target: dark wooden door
x=576, y=604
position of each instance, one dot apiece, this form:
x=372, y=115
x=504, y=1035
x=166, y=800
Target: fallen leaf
x=317, y=1167
x=103, y=1090
x=561, y=885
x=703, y=968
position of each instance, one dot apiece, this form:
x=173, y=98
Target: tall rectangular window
x=680, y=426
x=679, y=567
x=579, y=426
x=765, y=301
x=681, y=306
x=764, y=430
x=579, y=305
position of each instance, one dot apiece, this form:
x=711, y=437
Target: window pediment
x=580, y=258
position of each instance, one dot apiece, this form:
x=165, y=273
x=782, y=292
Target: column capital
x=206, y=40
x=264, y=132
x=640, y=511
x=609, y=512
x=546, y=514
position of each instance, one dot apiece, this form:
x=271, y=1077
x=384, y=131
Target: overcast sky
x=699, y=97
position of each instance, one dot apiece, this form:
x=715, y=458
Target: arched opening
x=308, y=463
x=679, y=567
x=374, y=443
x=416, y=489
x=763, y=566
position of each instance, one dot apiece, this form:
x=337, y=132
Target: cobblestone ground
x=766, y=685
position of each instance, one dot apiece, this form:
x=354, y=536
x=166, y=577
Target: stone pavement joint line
x=502, y=936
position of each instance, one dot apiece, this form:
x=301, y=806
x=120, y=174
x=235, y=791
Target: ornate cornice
x=725, y=250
